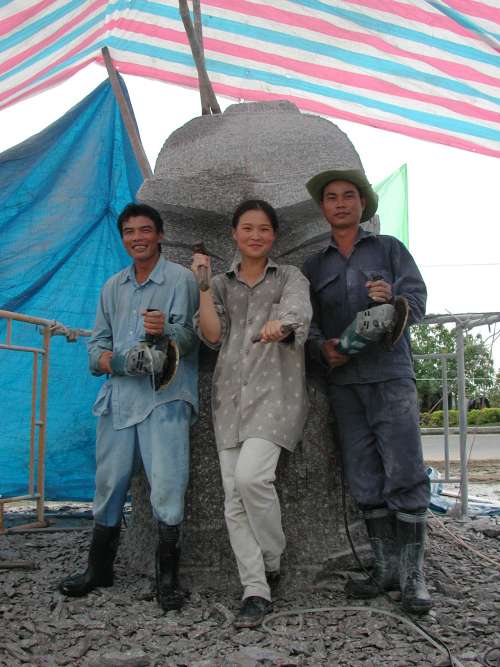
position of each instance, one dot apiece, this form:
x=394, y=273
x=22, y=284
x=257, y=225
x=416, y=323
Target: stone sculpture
x=254, y=150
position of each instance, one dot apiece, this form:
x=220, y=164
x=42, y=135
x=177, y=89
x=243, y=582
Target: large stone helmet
x=264, y=150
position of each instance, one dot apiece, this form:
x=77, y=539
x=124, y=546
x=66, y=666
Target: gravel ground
x=123, y=626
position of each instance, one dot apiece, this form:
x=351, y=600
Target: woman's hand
x=202, y=270
x=272, y=332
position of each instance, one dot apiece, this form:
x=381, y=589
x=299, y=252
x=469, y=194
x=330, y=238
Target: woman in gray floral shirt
x=259, y=399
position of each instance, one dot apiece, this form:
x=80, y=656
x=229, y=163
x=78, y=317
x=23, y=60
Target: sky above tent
x=428, y=69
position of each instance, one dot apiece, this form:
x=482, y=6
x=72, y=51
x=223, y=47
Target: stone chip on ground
x=268, y=656
x=247, y=637
x=222, y=613
x=133, y=658
x=41, y=628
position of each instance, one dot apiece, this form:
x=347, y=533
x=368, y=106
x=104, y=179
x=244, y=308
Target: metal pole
x=38, y=429
x=462, y=412
x=42, y=423
x=34, y=386
x=128, y=120
x=446, y=419
x=19, y=317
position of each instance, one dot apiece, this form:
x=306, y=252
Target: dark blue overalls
x=374, y=395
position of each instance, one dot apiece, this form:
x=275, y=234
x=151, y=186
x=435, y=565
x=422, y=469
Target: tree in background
x=479, y=369
x=494, y=393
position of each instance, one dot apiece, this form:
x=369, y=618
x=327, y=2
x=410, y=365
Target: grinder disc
x=170, y=366
x=401, y=313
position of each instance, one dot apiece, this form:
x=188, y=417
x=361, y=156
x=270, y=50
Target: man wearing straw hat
x=372, y=391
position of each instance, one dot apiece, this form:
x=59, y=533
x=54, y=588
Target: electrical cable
x=462, y=543
x=486, y=657
x=440, y=646
x=402, y=616
x=434, y=640
x=149, y=355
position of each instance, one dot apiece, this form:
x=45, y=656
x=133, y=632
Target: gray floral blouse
x=259, y=389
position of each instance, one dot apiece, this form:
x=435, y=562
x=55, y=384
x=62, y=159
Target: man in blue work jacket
x=373, y=393
x=138, y=418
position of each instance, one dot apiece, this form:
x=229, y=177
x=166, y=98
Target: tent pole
x=127, y=117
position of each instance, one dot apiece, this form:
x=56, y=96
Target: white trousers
x=252, y=512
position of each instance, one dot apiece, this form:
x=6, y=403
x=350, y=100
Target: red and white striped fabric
x=429, y=69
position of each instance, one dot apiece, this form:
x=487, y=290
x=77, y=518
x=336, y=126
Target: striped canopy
x=428, y=69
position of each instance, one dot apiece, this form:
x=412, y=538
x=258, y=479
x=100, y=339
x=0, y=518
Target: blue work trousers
x=381, y=447
x=162, y=442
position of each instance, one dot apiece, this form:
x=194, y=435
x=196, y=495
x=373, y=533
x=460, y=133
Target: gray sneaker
x=252, y=612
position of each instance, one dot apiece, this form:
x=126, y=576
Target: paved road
x=484, y=447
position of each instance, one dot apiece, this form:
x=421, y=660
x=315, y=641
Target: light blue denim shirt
x=119, y=325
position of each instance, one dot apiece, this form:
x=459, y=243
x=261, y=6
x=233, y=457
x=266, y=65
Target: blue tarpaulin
x=61, y=192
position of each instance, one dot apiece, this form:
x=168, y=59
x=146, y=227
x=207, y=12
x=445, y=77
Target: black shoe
x=381, y=527
x=99, y=572
x=252, y=612
x=412, y=530
x=168, y=592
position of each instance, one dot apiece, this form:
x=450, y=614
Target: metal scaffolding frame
x=38, y=427
x=463, y=322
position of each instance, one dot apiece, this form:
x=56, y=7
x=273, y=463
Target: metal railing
x=38, y=423
x=462, y=322
x=463, y=480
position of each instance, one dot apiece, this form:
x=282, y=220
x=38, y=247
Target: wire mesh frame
x=38, y=426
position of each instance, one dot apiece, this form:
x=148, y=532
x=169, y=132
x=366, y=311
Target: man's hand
x=272, y=332
x=331, y=354
x=379, y=291
x=105, y=362
x=154, y=322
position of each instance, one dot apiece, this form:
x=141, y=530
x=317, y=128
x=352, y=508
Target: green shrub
x=488, y=416
x=425, y=418
x=474, y=418
x=436, y=418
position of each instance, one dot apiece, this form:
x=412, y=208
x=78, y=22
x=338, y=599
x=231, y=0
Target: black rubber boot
x=412, y=529
x=168, y=592
x=99, y=572
x=381, y=526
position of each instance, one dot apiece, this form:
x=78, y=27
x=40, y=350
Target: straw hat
x=317, y=183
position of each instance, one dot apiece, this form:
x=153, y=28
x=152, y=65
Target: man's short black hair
x=255, y=205
x=134, y=210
